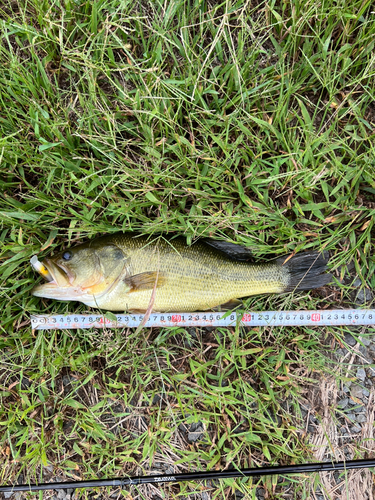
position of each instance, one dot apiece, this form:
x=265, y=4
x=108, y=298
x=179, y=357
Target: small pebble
x=358, y=409
x=361, y=374
x=193, y=333
x=356, y=391
x=195, y=432
x=239, y=495
x=355, y=429
x=350, y=340
x=156, y=399
x=169, y=470
x=364, y=295
x=364, y=351
x=69, y=384
x=350, y=416
x=361, y=418
x=343, y=403
x=341, y=352
x=365, y=392
x=365, y=341
x=313, y=419
x=196, y=426
x=259, y=493
x=193, y=437
x=351, y=265
x=237, y=429
x=25, y=384
x=183, y=428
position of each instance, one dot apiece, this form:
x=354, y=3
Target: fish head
x=81, y=272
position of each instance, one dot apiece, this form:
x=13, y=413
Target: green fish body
x=127, y=272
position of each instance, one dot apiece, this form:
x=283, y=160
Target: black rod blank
x=197, y=476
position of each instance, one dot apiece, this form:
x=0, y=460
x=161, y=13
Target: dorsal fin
x=232, y=250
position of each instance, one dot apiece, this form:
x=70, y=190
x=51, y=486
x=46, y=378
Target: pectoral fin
x=145, y=281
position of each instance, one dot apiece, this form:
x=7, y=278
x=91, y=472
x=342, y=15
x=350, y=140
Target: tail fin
x=305, y=270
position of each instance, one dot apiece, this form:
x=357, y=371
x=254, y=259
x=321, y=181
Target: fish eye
x=67, y=255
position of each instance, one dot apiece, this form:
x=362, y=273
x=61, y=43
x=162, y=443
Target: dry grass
x=328, y=443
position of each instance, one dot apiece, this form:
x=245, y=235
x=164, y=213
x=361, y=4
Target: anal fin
x=231, y=304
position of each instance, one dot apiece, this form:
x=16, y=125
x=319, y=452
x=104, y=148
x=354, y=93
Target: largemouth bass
x=127, y=272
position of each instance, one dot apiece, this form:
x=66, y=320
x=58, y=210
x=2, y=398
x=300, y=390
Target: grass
x=247, y=121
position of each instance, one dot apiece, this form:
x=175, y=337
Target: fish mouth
x=60, y=281
x=60, y=274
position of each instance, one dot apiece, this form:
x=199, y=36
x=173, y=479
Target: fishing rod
x=197, y=476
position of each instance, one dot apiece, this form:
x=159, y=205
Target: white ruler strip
x=335, y=317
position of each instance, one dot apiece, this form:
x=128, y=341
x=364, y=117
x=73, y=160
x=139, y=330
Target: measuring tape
x=335, y=317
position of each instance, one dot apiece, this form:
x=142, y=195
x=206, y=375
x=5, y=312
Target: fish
x=130, y=272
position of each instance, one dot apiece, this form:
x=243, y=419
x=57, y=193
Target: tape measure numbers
x=335, y=317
